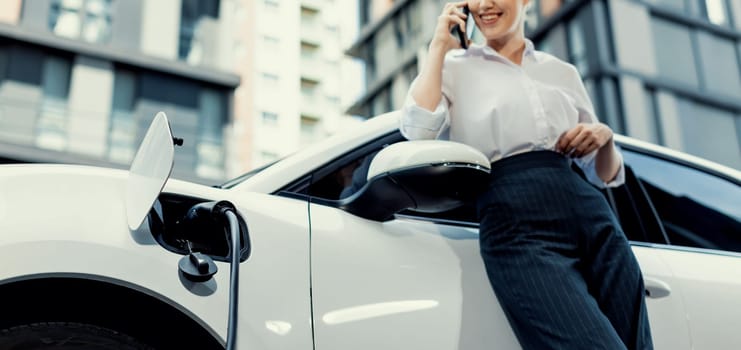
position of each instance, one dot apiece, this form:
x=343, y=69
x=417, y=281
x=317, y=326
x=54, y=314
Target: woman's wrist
x=437, y=48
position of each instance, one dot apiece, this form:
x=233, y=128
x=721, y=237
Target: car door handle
x=656, y=288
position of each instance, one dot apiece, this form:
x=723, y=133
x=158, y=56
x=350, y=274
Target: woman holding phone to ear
x=555, y=254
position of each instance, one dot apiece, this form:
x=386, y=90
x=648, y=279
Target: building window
x=670, y=39
x=381, y=103
x=51, y=125
x=720, y=68
x=89, y=20
x=716, y=12
x=709, y=133
x=309, y=86
x=268, y=157
x=555, y=43
x=310, y=131
x=370, y=62
x=122, y=137
x=193, y=32
x=3, y=61
x=577, y=45
x=309, y=50
x=333, y=101
x=269, y=118
x=271, y=4
x=270, y=41
x=269, y=79
x=209, y=147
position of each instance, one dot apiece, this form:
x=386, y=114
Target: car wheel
x=66, y=336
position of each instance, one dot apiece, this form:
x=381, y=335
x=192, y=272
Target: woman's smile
x=490, y=18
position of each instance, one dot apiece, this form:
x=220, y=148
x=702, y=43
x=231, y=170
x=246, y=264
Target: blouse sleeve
x=418, y=123
x=575, y=89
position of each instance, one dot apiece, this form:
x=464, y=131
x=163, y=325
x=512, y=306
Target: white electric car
x=363, y=241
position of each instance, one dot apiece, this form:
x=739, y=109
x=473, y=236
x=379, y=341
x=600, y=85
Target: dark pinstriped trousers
x=558, y=260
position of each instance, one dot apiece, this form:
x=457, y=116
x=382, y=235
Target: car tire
x=66, y=336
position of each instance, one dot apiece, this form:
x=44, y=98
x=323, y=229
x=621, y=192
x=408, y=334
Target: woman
x=554, y=253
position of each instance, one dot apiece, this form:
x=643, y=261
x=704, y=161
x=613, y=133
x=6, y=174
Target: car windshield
x=241, y=178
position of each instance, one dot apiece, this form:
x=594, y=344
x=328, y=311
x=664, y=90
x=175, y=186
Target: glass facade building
x=80, y=80
x=664, y=71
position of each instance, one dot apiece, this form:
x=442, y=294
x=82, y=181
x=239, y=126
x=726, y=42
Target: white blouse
x=503, y=109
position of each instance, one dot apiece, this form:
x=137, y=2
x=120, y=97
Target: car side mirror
x=425, y=176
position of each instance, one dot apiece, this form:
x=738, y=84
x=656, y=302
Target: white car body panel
x=92, y=240
x=667, y=314
x=403, y=284
x=711, y=287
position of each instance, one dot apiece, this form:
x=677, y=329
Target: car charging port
x=199, y=267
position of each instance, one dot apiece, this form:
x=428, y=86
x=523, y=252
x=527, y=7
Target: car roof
x=678, y=157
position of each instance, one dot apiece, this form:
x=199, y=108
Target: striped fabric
x=557, y=259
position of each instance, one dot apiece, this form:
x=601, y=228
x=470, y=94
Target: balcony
x=311, y=5
x=311, y=26
x=312, y=105
x=312, y=66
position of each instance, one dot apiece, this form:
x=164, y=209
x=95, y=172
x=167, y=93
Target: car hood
x=72, y=198
x=67, y=198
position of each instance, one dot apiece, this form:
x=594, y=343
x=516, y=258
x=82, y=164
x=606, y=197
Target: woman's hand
x=450, y=16
x=583, y=139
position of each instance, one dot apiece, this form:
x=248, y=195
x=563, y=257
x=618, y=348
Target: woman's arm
x=584, y=139
x=427, y=91
x=590, y=142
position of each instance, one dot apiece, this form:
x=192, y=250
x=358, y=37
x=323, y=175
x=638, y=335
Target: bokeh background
x=246, y=82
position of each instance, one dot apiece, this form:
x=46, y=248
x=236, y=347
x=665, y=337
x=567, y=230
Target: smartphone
x=463, y=37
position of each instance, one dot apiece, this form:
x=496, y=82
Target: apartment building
x=298, y=82
x=81, y=80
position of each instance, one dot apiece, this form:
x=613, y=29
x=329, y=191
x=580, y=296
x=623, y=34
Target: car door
x=407, y=283
x=700, y=213
x=401, y=284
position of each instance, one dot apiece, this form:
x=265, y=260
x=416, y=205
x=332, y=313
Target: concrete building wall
x=126, y=26
x=10, y=11
x=240, y=132
x=277, y=82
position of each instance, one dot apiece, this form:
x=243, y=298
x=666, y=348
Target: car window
x=634, y=210
x=342, y=177
x=696, y=209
